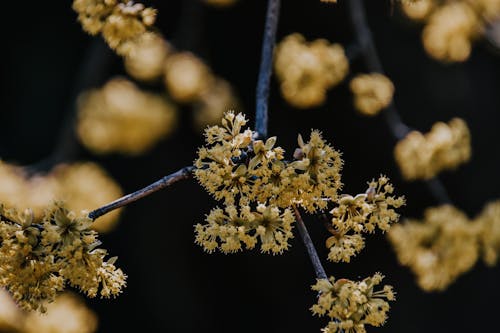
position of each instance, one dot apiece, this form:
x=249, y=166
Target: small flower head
x=372, y=93
x=351, y=305
x=308, y=70
x=37, y=260
x=438, y=249
x=422, y=156
x=317, y=176
x=231, y=228
x=361, y=214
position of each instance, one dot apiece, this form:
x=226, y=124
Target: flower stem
x=166, y=181
x=266, y=64
x=370, y=56
x=311, y=250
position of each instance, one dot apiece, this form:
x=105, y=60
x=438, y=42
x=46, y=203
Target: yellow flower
x=229, y=229
x=351, y=305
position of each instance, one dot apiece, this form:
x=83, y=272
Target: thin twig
x=266, y=64
x=311, y=250
x=370, y=56
x=166, y=181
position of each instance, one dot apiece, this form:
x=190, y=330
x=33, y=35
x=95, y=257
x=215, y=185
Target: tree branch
x=370, y=56
x=166, y=181
x=311, y=250
x=266, y=64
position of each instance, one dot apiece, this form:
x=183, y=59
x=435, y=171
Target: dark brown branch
x=311, y=250
x=266, y=65
x=370, y=56
x=166, y=181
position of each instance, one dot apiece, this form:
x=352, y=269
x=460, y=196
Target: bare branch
x=370, y=56
x=266, y=64
x=311, y=250
x=166, y=181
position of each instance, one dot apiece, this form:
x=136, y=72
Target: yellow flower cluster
x=452, y=26
x=38, y=260
x=228, y=229
x=447, y=244
x=351, y=305
x=120, y=117
x=186, y=77
x=372, y=93
x=120, y=22
x=445, y=147
x=361, y=214
x=146, y=61
x=67, y=314
x=236, y=168
x=75, y=183
x=307, y=71
x=245, y=172
x=489, y=232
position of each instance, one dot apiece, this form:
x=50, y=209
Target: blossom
x=422, y=156
x=317, y=175
x=230, y=229
x=438, y=249
x=37, y=260
x=307, y=70
x=372, y=93
x=351, y=305
x=362, y=213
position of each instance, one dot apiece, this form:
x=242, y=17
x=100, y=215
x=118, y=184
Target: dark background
x=173, y=285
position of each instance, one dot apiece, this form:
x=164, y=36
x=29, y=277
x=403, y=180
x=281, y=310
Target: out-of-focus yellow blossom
x=489, y=232
x=11, y=317
x=75, y=184
x=227, y=229
x=307, y=71
x=418, y=10
x=363, y=213
x=438, y=249
x=351, y=305
x=67, y=314
x=422, y=156
x=186, y=77
x=212, y=104
x=450, y=31
x=452, y=26
x=121, y=118
x=146, y=61
x=77, y=187
x=220, y=3
x=37, y=260
x=120, y=22
x=372, y=93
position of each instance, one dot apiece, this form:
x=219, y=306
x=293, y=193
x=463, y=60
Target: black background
x=173, y=285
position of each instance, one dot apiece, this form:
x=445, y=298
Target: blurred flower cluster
x=446, y=243
x=372, y=93
x=423, y=156
x=120, y=117
x=307, y=70
x=82, y=186
x=452, y=26
x=67, y=314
